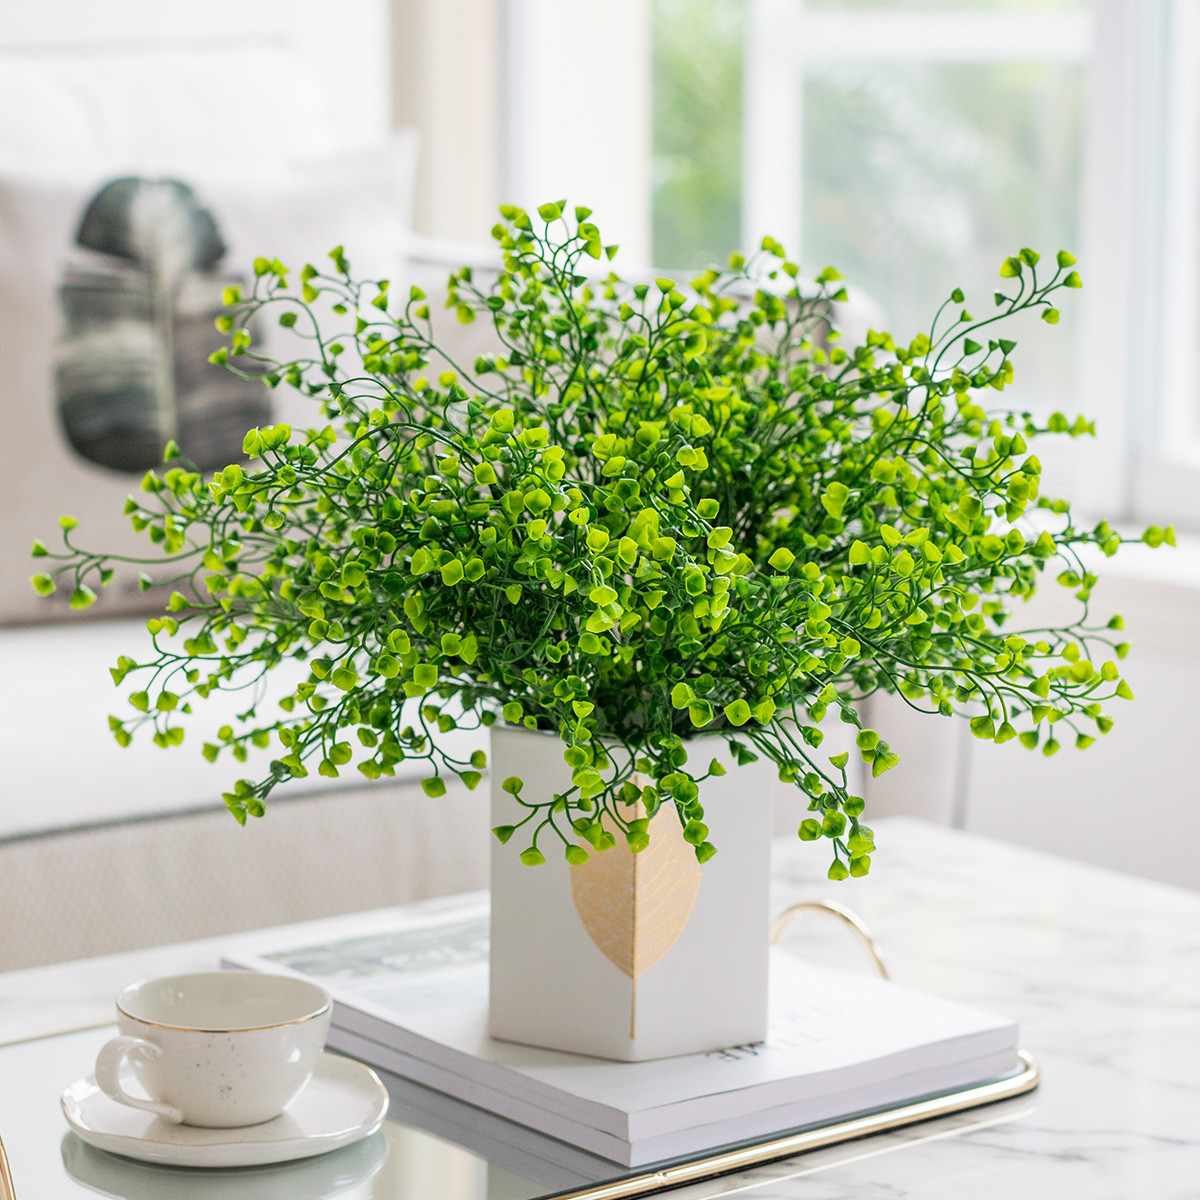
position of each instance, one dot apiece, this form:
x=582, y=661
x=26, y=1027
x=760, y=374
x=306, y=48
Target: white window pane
x=697, y=142
x=918, y=178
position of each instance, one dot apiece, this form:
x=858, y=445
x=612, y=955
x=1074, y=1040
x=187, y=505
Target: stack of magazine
x=410, y=997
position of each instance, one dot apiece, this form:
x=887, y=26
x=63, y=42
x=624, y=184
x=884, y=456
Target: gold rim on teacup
x=316, y=1012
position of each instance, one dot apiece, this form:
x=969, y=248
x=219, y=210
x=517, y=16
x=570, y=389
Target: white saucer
x=340, y=1174
x=344, y=1101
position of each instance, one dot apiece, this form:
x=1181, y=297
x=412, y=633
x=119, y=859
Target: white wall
x=524, y=101
x=579, y=113
x=345, y=45
x=446, y=83
x=1131, y=801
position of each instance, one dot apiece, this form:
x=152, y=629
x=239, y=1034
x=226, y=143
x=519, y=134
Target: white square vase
x=642, y=956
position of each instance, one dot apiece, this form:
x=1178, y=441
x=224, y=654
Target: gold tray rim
x=792, y=1144
x=6, y=1183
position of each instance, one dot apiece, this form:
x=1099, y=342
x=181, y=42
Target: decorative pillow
x=110, y=280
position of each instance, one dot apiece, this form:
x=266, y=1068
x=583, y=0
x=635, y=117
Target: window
x=915, y=143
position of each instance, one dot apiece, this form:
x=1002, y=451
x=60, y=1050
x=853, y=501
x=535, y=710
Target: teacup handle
x=108, y=1075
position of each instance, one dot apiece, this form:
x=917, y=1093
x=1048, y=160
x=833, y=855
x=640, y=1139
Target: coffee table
x=1102, y=970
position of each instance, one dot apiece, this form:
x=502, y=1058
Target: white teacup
x=221, y=1048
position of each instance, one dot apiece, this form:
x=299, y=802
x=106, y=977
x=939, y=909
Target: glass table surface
x=429, y=1148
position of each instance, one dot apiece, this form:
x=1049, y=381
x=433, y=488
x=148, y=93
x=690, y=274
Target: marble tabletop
x=1102, y=971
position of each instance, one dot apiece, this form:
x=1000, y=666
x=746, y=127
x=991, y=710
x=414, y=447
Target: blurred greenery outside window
x=913, y=144
x=921, y=151
x=698, y=47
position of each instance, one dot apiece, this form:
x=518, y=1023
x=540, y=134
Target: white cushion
x=65, y=383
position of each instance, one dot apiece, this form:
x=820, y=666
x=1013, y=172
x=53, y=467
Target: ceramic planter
x=632, y=956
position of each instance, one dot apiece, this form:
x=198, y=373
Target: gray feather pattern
x=138, y=311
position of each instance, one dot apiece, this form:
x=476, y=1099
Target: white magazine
x=410, y=994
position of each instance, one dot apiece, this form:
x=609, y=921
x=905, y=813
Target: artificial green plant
x=657, y=511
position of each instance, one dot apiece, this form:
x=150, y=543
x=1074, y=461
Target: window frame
x=1139, y=335
x=1164, y=471
x=783, y=38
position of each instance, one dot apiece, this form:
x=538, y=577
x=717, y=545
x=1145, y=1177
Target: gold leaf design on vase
x=635, y=906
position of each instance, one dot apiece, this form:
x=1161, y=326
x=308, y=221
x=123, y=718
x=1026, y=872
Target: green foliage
x=697, y=127
x=658, y=511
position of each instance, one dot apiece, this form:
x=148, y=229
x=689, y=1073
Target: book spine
x=542, y=1120
x=502, y=1080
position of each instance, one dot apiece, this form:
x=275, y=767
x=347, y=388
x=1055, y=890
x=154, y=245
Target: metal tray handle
x=855, y=922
